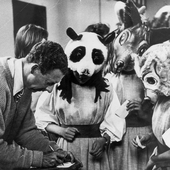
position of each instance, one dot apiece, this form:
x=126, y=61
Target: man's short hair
x=49, y=56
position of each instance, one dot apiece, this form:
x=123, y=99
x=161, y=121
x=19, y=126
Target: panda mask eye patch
x=77, y=54
x=97, y=56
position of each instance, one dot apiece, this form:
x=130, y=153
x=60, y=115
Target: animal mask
x=86, y=52
x=128, y=14
x=137, y=34
x=131, y=40
x=132, y=37
x=154, y=68
x=162, y=17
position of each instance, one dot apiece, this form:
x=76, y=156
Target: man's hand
x=53, y=159
x=68, y=156
x=69, y=133
x=98, y=148
x=56, y=157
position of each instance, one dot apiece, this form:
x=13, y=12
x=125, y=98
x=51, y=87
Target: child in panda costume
x=82, y=108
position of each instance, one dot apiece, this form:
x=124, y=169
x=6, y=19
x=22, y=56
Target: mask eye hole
x=151, y=80
x=142, y=49
x=97, y=57
x=123, y=38
x=77, y=54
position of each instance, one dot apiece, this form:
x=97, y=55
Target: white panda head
x=86, y=52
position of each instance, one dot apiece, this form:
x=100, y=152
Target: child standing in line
x=81, y=109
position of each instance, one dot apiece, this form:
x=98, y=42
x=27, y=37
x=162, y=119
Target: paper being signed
x=65, y=165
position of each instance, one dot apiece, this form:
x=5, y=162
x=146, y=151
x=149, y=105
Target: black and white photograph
x=85, y=85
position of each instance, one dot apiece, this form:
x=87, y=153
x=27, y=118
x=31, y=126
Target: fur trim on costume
x=96, y=81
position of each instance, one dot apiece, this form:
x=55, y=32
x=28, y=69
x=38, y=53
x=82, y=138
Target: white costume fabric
x=154, y=69
x=82, y=111
x=84, y=99
x=123, y=155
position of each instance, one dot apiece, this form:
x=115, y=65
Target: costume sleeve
x=113, y=125
x=166, y=138
x=45, y=110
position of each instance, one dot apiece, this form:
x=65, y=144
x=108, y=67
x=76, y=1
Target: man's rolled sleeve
x=37, y=159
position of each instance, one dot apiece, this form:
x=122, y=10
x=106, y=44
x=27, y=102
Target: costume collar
x=96, y=81
x=128, y=72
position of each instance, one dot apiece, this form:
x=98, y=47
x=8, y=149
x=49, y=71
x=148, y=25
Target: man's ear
x=34, y=68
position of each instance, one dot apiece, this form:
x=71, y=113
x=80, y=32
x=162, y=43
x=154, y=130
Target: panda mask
x=86, y=54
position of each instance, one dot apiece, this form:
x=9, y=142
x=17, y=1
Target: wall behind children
x=62, y=14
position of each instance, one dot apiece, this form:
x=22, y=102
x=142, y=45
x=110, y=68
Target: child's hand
x=141, y=141
x=162, y=160
x=133, y=106
x=69, y=133
x=98, y=148
x=157, y=161
x=151, y=165
x=136, y=108
x=138, y=140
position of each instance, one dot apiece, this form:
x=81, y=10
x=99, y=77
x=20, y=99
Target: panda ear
x=110, y=37
x=72, y=34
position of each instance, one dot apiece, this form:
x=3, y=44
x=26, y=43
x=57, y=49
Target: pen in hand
x=54, y=151
x=51, y=148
